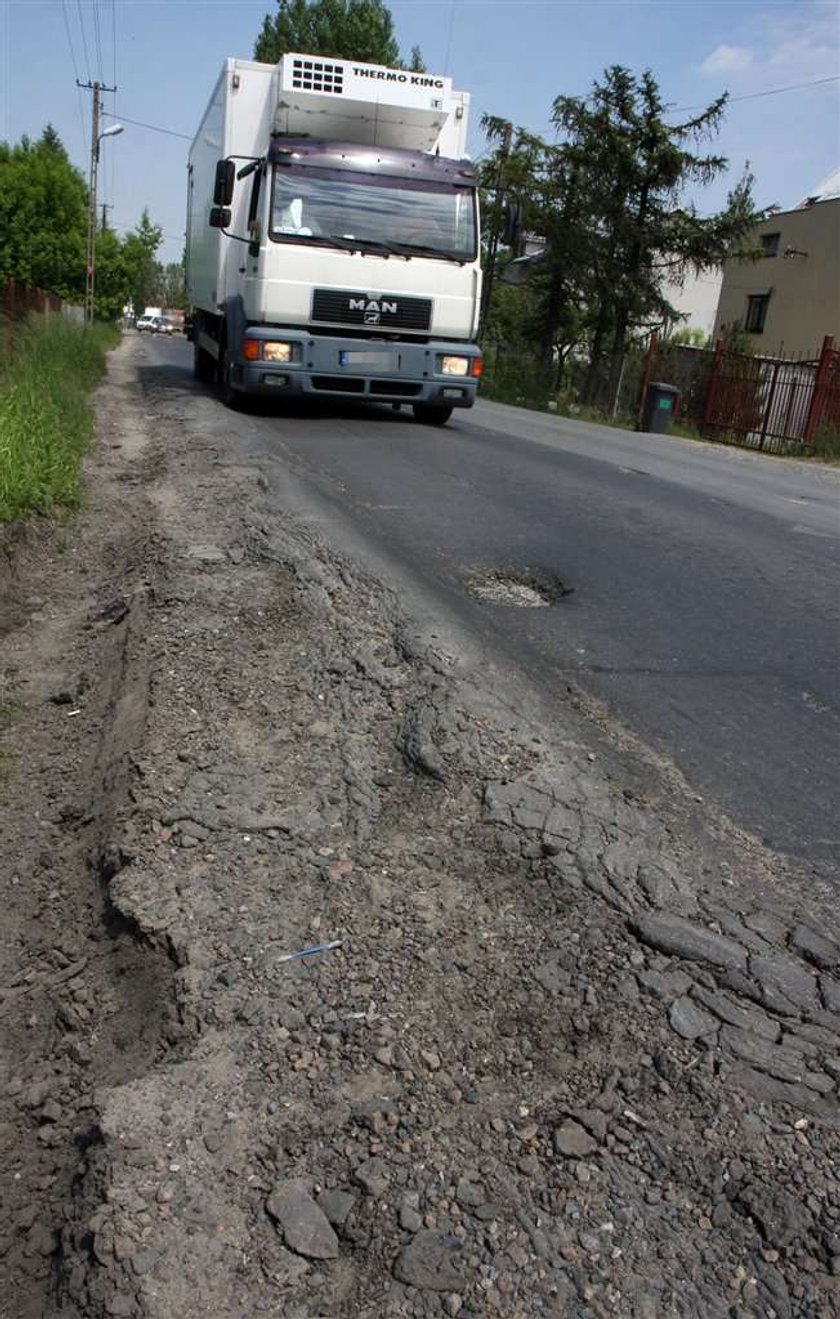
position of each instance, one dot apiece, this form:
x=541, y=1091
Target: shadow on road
x=168, y=377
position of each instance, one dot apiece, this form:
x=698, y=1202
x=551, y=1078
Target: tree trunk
x=596, y=353
x=619, y=344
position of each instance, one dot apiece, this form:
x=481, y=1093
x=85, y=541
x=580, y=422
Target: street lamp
x=96, y=139
x=109, y=132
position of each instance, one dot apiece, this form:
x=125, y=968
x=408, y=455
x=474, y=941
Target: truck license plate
x=372, y=360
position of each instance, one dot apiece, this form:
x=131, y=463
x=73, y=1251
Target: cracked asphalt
x=705, y=611
x=350, y=971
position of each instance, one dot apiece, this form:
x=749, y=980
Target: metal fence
x=18, y=300
x=761, y=402
x=773, y=403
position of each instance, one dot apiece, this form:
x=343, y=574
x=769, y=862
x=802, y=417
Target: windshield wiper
x=395, y=249
x=363, y=244
x=376, y=245
x=331, y=240
x=420, y=249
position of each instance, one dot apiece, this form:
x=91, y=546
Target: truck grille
x=374, y=312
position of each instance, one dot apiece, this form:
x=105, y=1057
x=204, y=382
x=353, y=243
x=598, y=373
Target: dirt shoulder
x=576, y=1050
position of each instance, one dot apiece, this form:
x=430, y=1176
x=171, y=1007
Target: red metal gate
x=825, y=401
x=772, y=402
x=763, y=402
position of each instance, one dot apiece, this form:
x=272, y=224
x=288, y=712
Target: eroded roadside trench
x=576, y=1054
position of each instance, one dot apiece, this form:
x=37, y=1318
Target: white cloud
x=778, y=46
x=804, y=56
x=727, y=59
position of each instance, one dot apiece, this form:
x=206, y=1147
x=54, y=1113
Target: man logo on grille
x=372, y=309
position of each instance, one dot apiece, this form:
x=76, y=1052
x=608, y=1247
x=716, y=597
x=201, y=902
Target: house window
x=756, y=313
x=770, y=244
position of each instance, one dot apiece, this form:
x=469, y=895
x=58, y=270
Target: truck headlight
x=277, y=352
x=453, y=366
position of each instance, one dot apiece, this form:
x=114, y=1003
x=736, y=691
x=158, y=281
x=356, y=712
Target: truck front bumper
x=380, y=370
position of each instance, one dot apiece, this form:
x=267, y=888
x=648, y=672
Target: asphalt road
x=705, y=609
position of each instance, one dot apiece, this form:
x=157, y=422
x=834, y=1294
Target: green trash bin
x=660, y=405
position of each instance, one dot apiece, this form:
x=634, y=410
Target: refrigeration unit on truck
x=332, y=236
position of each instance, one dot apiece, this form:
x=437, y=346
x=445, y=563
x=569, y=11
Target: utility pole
x=90, y=274
x=106, y=207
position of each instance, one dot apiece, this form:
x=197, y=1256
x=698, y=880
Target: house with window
x=787, y=299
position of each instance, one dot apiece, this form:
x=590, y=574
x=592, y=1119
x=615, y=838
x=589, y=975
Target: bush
x=514, y=378
x=48, y=369
x=826, y=441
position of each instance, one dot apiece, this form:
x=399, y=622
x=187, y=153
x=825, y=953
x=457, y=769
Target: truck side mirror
x=220, y=217
x=225, y=178
x=512, y=225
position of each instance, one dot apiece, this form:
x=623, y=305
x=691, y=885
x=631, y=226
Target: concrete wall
x=804, y=289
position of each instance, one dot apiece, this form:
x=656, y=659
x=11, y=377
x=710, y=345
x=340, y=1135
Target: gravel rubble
x=568, y=1056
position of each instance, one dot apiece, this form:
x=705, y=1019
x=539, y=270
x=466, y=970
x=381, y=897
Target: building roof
x=828, y=190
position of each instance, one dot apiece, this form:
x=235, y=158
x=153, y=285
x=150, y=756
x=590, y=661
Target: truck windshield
x=406, y=217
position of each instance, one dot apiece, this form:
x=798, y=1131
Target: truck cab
x=342, y=260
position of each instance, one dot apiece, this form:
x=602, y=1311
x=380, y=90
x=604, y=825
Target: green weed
x=46, y=421
x=827, y=442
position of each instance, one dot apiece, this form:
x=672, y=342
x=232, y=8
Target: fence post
x=818, y=396
x=712, y=387
x=619, y=382
x=771, y=396
x=648, y=372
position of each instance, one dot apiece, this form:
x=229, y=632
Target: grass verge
x=47, y=371
x=827, y=443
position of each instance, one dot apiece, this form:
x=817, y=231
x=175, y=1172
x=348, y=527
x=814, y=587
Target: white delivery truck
x=332, y=236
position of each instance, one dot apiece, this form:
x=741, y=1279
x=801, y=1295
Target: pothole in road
x=522, y=589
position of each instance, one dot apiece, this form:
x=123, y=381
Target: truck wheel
x=204, y=367
x=432, y=414
x=232, y=398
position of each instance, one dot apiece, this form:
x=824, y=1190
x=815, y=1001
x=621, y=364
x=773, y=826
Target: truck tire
x=204, y=367
x=232, y=398
x=432, y=414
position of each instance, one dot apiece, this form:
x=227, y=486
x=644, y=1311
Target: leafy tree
x=691, y=336
x=170, y=285
x=632, y=168
x=113, y=277
x=552, y=304
x=44, y=227
x=43, y=217
x=735, y=339
x=340, y=29
x=139, y=248
x=608, y=200
x=50, y=141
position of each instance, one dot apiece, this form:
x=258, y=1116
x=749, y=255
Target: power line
x=75, y=68
x=69, y=39
x=84, y=38
x=449, y=36
x=98, y=35
x=114, y=38
x=154, y=128
x=771, y=91
x=112, y=155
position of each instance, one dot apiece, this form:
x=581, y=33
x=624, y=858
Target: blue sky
x=514, y=56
